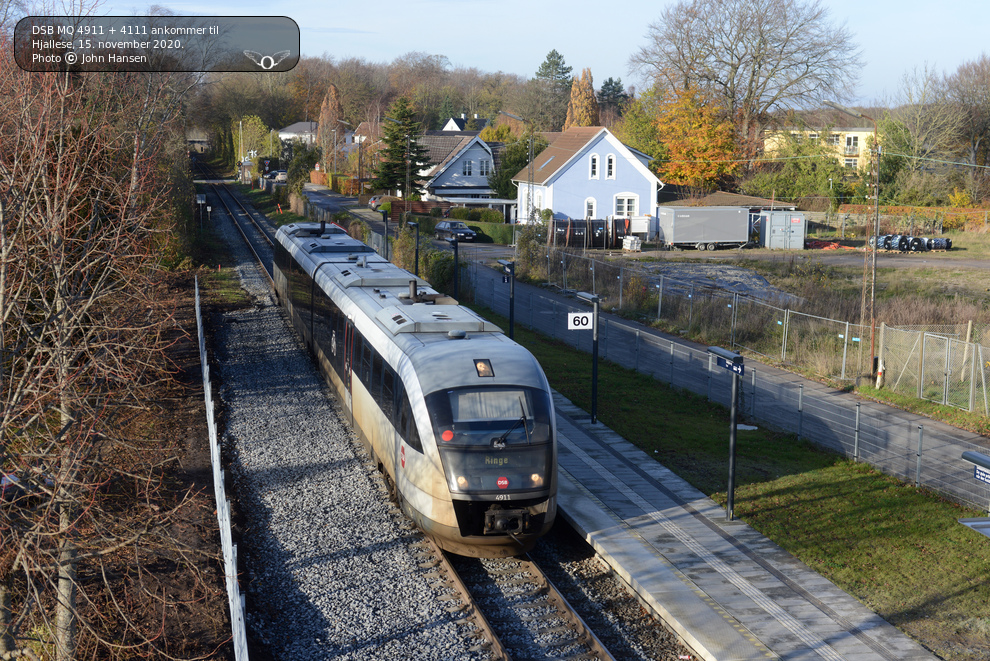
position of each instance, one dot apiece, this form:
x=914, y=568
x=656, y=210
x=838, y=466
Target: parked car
x=281, y=176
x=375, y=201
x=453, y=229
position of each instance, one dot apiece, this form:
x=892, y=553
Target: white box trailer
x=704, y=228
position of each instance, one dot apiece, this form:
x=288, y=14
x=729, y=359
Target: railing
x=234, y=597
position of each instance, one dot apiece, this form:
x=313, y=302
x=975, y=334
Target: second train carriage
x=459, y=416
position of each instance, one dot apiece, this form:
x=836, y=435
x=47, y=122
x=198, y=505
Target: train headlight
x=537, y=479
x=462, y=482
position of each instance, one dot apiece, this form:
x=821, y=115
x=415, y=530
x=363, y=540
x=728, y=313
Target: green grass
x=898, y=549
x=278, y=213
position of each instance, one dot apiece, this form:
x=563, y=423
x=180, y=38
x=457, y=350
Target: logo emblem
x=267, y=62
x=503, y=483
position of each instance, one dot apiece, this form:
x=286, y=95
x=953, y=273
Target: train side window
x=366, y=364
x=388, y=392
x=376, y=378
x=407, y=424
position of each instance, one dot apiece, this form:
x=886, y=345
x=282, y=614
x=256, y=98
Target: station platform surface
x=728, y=592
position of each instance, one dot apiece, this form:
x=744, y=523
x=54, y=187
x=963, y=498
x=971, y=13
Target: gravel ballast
x=325, y=558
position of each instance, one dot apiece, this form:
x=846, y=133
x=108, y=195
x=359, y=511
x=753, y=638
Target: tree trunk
x=65, y=624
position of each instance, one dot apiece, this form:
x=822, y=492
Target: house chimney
x=463, y=116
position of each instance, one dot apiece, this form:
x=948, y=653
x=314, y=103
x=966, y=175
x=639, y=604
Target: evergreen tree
x=612, y=95
x=583, y=108
x=553, y=85
x=399, y=143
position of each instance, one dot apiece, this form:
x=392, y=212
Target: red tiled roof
x=561, y=150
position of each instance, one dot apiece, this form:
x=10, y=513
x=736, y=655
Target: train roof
x=441, y=338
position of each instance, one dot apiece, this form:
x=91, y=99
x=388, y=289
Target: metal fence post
x=709, y=377
x=921, y=367
x=845, y=347
x=671, y=363
x=800, y=410
x=753, y=405
x=783, y=343
x=620, y=287
x=691, y=307
x=659, y=298
x=732, y=330
x=917, y=475
x=856, y=437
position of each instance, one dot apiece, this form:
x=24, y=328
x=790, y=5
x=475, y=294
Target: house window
x=626, y=204
x=593, y=174
x=466, y=170
x=589, y=208
x=834, y=139
x=851, y=163
x=813, y=137
x=610, y=167
x=483, y=168
x=852, y=145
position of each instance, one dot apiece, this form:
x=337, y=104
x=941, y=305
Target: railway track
x=508, y=608
x=516, y=612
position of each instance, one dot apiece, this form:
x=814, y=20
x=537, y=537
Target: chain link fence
x=831, y=348
x=935, y=364
x=881, y=436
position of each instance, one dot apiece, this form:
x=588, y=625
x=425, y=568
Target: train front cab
x=498, y=456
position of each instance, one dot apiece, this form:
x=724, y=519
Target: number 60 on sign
x=579, y=320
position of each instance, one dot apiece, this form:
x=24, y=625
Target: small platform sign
x=579, y=320
x=732, y=367
x=981, y=474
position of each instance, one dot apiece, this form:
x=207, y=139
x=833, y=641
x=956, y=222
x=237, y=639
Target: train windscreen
x=493, y=439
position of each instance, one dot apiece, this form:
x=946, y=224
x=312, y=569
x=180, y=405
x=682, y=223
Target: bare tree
x=330, y=129
x=923, y=125
x=969, y=89
x=756, y=56
x=83, y=199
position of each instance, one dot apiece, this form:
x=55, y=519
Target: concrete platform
x=730, y=593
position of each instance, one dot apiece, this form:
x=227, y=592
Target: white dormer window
x=483, y=167
x=593, y=165
x=610, y=167
x=466, y=169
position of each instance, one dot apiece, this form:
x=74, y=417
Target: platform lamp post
x=733, y=362
x=871, y=252
x=416, y=267
x=457, y=264
x=509, y=275
x=594, y=300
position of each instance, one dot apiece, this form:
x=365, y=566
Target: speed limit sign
x=579, y=320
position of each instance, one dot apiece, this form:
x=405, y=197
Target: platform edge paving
x=697, y=619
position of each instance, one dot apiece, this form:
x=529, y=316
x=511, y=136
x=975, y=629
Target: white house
x=588, y=173
x=304, y=131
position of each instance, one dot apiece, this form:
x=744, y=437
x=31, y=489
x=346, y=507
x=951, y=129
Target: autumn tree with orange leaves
x=698, y=140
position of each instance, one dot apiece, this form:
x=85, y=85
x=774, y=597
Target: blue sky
x=515, y=35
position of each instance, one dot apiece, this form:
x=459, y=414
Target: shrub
x=474, y=214
x=436, y=212
x=459, y=213
x=491, y=216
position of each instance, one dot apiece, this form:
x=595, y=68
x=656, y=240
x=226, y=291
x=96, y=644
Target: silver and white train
x=458, y=416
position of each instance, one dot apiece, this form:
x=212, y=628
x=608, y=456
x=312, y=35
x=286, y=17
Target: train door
x=348, y=366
